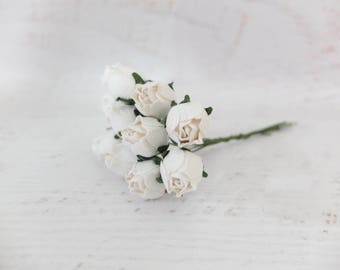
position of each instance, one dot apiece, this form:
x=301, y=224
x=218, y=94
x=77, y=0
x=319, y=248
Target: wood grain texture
x=270, y=202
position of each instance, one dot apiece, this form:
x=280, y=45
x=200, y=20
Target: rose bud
x=142, y=180
x=187, y=124
x=144, y=136
x=153, y=99
x=119, y=80
x=116, y=156
x=181, y=171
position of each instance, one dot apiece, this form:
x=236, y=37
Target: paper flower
x=187, y=124
x=153, y=99
x=181, y=171
x=144, y=136
x=143, y=181
x=151, y=138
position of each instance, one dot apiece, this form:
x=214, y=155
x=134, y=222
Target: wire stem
x=243, y=136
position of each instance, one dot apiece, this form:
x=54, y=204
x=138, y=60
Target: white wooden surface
x=269, y=203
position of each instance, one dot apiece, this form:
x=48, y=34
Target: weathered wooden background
x=269, y=202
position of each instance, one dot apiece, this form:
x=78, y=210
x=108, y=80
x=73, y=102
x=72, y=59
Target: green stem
x=127, y=101
x=243, y=136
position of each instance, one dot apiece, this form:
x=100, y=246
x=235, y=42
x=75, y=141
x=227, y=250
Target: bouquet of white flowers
x=151, y=137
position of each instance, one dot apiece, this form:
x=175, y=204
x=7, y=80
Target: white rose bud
x=117, y=113
x=142, y=180
x=144, y=136
x=181, y=171
x=116, y=156
x=119, y=80
x=153, y=99
x=187, y=124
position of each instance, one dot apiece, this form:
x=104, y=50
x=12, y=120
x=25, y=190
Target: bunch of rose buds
x=151, y=136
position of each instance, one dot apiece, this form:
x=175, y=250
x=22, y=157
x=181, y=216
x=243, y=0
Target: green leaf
x=126, y=101
x=186, y=99
x=142, y=158
x=138, y=78
x=164, y=154
x=137, y=113
x=159, y=179
x=173, y=142
x=204, y=174
x=173, y=103
x=118, y=135
x=209, y=110
x=162, y=148
x=171, y=85
x=163, y=120
x=157, y=160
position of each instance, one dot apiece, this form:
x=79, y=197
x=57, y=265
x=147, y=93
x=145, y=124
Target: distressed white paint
x=269, y=203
